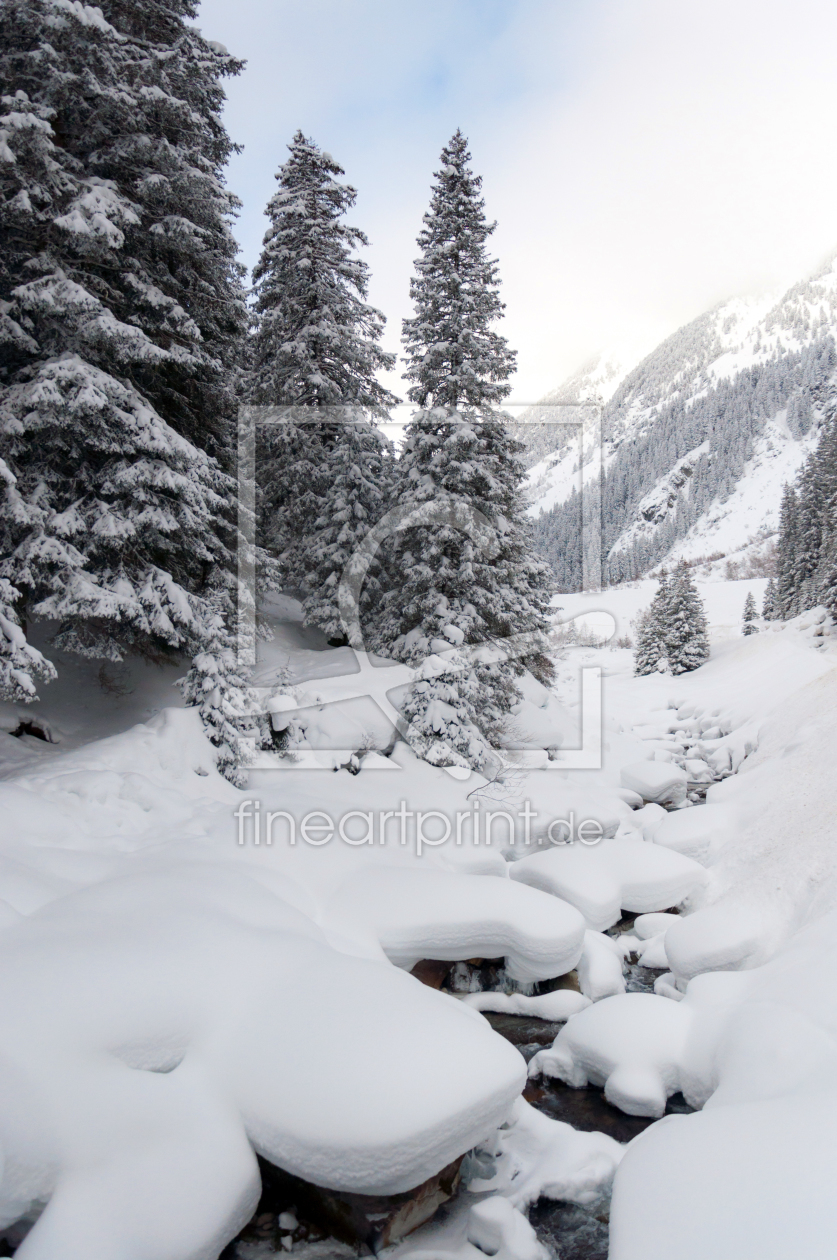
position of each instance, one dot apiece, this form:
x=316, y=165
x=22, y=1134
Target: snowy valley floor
x=177, y=998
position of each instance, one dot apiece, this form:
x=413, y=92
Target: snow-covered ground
x=178, y=996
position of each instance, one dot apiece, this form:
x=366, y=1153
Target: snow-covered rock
x=600, y=967
x=632, y=1044
x=612, y=876
x=417, y=914
x=698, y=832
x=496, y=1228
x=664, y=783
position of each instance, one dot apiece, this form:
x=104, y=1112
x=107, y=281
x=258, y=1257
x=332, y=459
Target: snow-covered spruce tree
x=787, y=577
x=460, y=472
x=357, y=477
x=815, y=570
x=455, y=357
x=20, y=663
x=749, y=616
x=685, y=628
x=121, y=319
x=650, y=653
x=315, y=355
x=768, y=608
x=806, y=559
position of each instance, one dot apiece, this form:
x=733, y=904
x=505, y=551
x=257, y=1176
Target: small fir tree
x=768, y=610
x=20, y=662
x=220, y=688
x=685, y=626
x=650, y=654
x=749, y=615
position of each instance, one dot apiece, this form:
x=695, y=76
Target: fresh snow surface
x=555, y=1007
x=611, y=876
x=176, y=1001
x=538, y=1156
x=751, y=1038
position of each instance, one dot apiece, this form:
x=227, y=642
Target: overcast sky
x=644, y=158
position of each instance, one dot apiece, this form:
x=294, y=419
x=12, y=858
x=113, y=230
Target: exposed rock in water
x=432, y=972
x=293, y=1210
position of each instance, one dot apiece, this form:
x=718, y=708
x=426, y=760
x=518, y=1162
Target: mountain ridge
x=689, y=454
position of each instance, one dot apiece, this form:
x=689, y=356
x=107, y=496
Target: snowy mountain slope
x=698, y=439
x=752, y=510
x=561, y=433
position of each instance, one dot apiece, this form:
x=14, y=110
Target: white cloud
x=644, y=159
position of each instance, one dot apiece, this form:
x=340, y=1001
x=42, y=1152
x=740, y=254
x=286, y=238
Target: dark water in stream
x=572, y=1232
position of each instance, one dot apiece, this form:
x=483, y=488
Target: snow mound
x=416, y=912
x=615, y=875
x=715, y=938
x=658, y=781
x=699, y=833
x=149, y=1051
x=600, y=967
x=761, y=1058
x=633, y=1045
x=495, y=1228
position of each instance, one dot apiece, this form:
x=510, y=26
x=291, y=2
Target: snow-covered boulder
x=600, y=967
x=417, y=914
x=554, y=1007
x=496, y=1228
x=612, y=876
x=648, y=819
x=159, y=1030
x=699, y=832
x=647, y=926
x=662, y=782
x=715, y=938
x=633, y=1045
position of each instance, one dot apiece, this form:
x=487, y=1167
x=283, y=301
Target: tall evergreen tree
x=787, y=581
x=464, y=571
x=749, y=615
x=315, y=357
x=121, y=320
x=806, y=560
x=455, y=357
